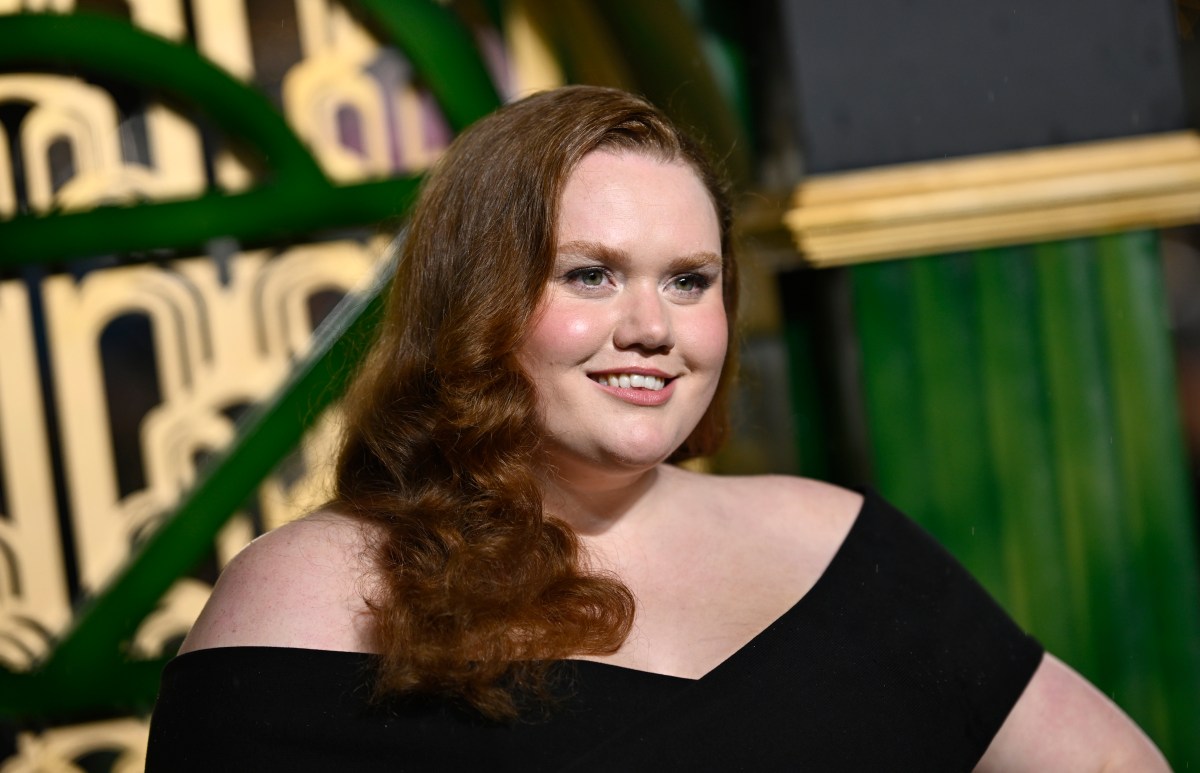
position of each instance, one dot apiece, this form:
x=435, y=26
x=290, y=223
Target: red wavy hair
x=477, y=589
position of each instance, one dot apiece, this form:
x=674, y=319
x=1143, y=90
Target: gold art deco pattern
x=222, y=329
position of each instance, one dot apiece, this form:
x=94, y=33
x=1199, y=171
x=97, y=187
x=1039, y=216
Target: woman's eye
x=588, y=277
x=593, y=277
x=690, y=283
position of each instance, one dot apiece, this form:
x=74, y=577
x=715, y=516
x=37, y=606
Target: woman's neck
x=595, y=503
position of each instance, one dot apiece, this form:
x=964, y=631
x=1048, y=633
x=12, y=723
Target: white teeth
x=634, y=380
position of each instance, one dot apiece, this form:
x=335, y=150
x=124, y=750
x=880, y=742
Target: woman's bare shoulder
x=791, y=503
x=300, y=585
x=796, y=522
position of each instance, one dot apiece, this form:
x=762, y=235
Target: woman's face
x=630, y=338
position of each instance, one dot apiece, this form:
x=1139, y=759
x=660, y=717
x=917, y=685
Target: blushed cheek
x=560, y=336
x=577, y=329
x=710, y=339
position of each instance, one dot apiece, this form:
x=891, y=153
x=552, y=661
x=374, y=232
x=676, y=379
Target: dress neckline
x=810, y=597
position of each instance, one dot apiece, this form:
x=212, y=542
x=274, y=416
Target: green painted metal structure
x=295, y=196
x=87, y=672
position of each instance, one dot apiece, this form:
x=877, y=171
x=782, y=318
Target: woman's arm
x=1064, y=723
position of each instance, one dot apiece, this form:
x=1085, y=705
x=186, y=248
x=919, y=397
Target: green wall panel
x=1153, y=476
x=1017, y=441
x=1020, y=404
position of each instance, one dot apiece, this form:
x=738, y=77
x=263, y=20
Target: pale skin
x=711, y=560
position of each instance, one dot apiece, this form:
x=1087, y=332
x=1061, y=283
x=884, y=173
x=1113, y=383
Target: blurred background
x=971, y=268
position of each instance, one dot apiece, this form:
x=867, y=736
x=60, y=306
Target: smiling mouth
x=630, y=381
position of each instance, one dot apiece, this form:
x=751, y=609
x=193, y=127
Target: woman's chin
x=639, y=461
x=625, y=458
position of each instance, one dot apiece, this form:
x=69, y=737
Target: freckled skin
x=646, y=235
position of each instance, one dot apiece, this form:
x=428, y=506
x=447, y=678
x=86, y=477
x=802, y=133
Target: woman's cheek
x=709, y=337
x=562, y=335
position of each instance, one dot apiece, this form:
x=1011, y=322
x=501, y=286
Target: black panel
x=887, y=81
x=131, y=390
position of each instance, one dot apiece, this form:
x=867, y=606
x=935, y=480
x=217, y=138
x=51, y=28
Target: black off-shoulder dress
x=895, y=660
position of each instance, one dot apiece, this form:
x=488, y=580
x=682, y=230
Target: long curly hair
x=477, y=589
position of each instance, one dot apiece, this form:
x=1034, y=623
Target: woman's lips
x=647, y=394
x=634, y=379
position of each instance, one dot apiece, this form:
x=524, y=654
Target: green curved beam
x=442, y=51
x=269, y=213
x=87, y=670
x=302, y=198
x=100, y=44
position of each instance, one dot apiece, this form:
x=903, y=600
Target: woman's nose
x=645, y=321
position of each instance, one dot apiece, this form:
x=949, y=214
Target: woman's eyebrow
x=605, y=254
x=592, y=250
x=695, y=261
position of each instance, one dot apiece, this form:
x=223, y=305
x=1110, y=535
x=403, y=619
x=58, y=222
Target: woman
x=512, y=575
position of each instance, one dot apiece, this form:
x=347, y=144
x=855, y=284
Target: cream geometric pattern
x=85, y=116
x=333, y=87
x=54, y=751
x=66, y=109
x=34, y=600
x=54, y=6
x=223, y=36
x=327, y=91
x=219, y=341
x=225, y=328
x=162, y=17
